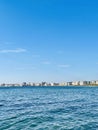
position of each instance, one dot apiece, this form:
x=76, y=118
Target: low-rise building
x=62, y=84
x=96, y=82
x=93, y=82
x=75, y=83
x=69, y=83
x=83, y=83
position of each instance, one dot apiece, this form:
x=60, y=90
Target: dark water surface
x=51, y=108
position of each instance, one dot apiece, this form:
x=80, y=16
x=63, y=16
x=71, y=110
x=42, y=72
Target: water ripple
x=49, y=108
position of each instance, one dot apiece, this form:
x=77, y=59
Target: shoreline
x=48, y=86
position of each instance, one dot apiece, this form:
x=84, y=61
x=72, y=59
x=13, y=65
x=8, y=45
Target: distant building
x=96, y=82
x=88, y=82
x=51, y=84
x=43, y=84
x=75, y=83
x=83, y=83
x=63, y=84
x=31, y=84
x=24, y=84
x=2, y=85
x=55, y=84
x=15, y=85
x=69, y=83
x=37, y=84
x=93, y=82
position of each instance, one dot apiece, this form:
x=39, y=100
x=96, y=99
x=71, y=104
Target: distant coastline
x=93, y=83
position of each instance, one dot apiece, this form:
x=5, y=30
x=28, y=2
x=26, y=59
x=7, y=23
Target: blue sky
x=48, y=40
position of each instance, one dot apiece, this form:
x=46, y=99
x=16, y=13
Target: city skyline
x=53, y=40
x=85, y=83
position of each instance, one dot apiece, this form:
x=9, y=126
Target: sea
x=49, y=108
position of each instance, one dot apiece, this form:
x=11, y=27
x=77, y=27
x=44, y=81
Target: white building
x=75, y=83
x=93, y=82
x=69, y=83
x=83, y=83
x=63, y=84
x=96, y=82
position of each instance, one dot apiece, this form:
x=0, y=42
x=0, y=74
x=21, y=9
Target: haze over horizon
x=48, y=40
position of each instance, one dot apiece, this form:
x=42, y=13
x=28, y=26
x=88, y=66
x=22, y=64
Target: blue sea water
x=49, y=108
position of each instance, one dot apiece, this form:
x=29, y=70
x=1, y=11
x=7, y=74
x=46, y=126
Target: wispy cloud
x=20, y=68
x=64, y=66
x=19, y=50
x=35, y=56
x=46, y=63
x=8, y=43
x=25, y=68
x=5, y=43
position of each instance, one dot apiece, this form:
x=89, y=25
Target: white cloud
x=19, y=50
x=63, y=66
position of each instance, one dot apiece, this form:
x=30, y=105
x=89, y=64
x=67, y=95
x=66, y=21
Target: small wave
x=1, y=105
